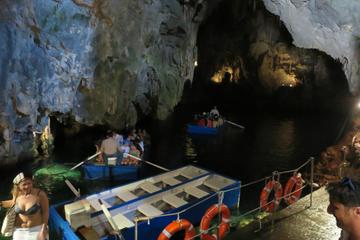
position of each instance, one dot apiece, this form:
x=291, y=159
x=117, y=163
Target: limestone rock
x=330, y=26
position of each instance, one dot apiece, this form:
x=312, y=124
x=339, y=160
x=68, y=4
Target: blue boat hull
x=194, y=129
x=151, y=229
x=119, y=172
x=193, y=211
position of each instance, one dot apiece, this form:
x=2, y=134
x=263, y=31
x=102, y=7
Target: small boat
x=142, y=209
x=95, y=171
x=196, y=129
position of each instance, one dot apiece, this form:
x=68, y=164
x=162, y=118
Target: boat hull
x=119, y=172
x=194, y=129
x=228, y=192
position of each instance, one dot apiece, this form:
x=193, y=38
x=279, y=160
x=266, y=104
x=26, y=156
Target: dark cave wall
x=256, y=49
x=100, y=62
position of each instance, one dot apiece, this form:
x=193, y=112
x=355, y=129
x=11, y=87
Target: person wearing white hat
x=31, y=207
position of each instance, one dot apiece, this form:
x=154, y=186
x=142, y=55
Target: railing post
x=238, y=202
x=136, y=228
x=311, y=181
x=220, y=200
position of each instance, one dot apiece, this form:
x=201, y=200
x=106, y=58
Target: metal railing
x=220, y=195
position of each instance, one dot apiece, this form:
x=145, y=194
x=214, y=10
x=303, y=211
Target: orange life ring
x=265, y=204
x=176, y=226
x=210, y=213
x=291, y=195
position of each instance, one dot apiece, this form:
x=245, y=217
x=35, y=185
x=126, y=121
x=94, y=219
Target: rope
x=221, y=193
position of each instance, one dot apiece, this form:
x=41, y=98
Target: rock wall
x=330, y=26
x=99, y=61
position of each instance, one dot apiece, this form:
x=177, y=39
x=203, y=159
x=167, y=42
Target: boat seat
x=94, y=203
x=171, y=181
x=149, y=187
x=122, y=222
x=149, y=210
x=191, y=172
x=196, y=192
x=174, y=200
x=216, y=183
x=126, y=195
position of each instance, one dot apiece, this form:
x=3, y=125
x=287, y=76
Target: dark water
x=269, y=142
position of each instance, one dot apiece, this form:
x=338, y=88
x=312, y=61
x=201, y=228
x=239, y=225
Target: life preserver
x=176, y=226
x=210, y=213
x=265, y=204
x=291, y=195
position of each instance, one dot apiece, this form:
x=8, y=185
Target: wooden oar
x=72, y=188
x=108, y=216
x=150, y=163
x=235, y=124
x=81, y=163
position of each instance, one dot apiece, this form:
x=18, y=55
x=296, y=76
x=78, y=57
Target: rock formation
x=101, y=61
x=330, y=26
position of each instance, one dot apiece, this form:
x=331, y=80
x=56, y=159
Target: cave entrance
x=246, y=59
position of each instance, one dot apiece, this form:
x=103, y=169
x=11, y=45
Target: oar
x=103, y=208
x=72, y=188
x=108, y=216
x=81, y=163
x=235, y=124
x=153, y=164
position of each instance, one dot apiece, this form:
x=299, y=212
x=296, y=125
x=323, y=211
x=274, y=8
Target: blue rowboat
x=195, y=129
x=142, y=209
x=94, y=171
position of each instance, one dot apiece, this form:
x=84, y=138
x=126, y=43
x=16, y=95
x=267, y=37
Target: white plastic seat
x=196, y=192
x=126, y=195
x=149, y=210
x=174, y=201
x=171, y=181
x=122, y=222
x=149, y=187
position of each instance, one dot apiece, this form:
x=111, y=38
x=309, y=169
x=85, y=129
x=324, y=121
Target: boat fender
x=205, y=223
x=293, y=189
x=265, y=204
x=177, y=226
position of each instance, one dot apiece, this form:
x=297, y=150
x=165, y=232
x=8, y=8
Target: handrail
x=221, y=193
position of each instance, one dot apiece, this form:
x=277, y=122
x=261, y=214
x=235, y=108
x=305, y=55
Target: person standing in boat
x=109, y=147
x=344, y=204
x=31, y=207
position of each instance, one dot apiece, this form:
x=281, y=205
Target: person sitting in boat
x=131, y=160
x=99, y=158
x=118, y=138
x=203, y=120
x=214, y=113
x=110, y=148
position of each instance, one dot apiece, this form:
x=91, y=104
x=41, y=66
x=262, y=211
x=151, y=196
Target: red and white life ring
x=210, y=213
x=293, y=189
x=271, y=205
x=177, y=226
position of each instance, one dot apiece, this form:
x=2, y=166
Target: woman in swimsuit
x=32, y=208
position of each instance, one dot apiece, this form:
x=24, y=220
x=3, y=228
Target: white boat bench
x=196, y=192
x=122, y=222
x=149, y=187
x=174, y=201
x=126, y=195
x=171, y=181
x=149, y=210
